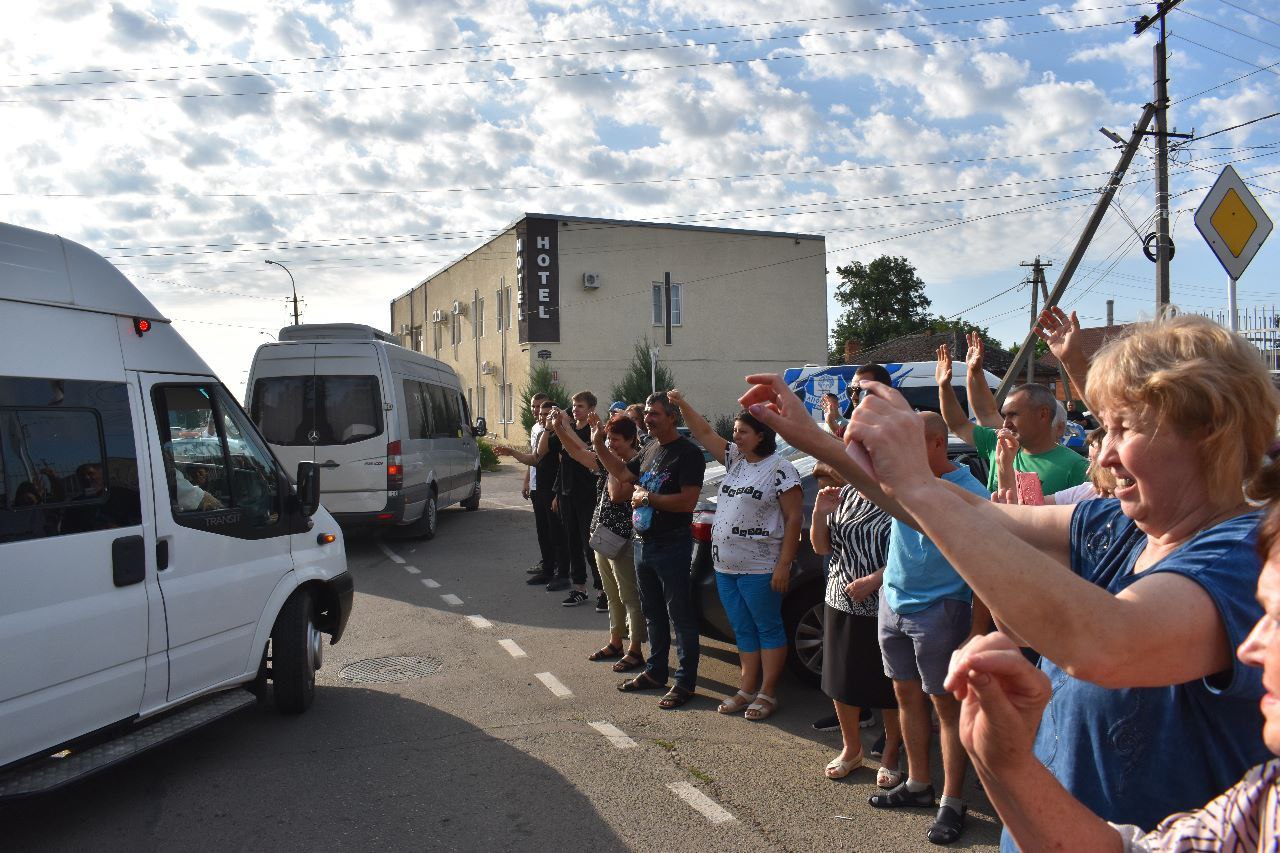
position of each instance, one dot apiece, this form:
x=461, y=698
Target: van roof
x=335, y=332
x=46, y=269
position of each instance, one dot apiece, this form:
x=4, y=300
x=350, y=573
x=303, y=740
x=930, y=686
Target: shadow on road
x=362, y=770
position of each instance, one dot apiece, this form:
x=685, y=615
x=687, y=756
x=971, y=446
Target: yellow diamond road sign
x=1232, y=222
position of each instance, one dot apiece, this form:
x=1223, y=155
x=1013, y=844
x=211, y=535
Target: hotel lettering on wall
x=538, y=274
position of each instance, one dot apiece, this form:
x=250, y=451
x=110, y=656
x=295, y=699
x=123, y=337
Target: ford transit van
x=155, y=557
x=389, y=426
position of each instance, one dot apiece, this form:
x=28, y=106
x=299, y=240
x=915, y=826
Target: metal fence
x=1260, y=325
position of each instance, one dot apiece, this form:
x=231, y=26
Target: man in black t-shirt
x=576, y=496
x=668, y=477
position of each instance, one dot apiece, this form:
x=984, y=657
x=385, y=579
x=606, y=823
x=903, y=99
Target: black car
x=802, y=606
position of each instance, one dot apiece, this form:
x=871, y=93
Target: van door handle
x=329, y=464
x=128, y=561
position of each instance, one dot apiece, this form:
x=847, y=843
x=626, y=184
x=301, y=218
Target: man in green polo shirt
x=1028, y=412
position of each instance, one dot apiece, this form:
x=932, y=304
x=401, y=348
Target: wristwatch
x=644, y=501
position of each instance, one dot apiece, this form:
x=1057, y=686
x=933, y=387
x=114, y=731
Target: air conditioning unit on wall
x=437, y=316
x=488, y=368
x=404, y=328
x=591, y=280
x=459, y=307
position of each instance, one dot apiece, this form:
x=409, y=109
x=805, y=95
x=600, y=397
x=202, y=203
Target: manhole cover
x=383, y=670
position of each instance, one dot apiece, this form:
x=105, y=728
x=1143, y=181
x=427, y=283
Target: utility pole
x=1163, y=251
x=666, y=295
x=1038, y=286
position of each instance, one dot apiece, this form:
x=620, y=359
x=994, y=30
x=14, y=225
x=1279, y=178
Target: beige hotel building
x=578, y=293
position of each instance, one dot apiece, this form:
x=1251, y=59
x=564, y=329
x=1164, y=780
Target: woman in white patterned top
x=1003, y=700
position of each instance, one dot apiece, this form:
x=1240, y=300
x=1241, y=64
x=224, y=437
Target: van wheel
x=296, y=650
x=426, y=526
x=472, y=503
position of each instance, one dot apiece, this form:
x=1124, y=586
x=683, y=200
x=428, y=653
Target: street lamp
x=291, y=284
x=273, y=337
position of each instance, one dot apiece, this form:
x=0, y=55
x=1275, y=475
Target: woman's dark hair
x=622, y=425
x=768, y=438
x=878, y=372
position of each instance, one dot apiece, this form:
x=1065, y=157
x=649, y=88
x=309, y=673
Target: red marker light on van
x=141, y=326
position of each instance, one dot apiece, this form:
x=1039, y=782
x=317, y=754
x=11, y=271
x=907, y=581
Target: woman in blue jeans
x=754, y=538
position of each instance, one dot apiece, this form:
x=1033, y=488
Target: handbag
x=608, y=543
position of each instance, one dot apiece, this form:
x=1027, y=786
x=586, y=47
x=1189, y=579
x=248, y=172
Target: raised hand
x=943, y=371
x=973, y=358
x=675, y=397
x=501, y=450
x=825, y=502
x=891, y=438
x=1006, y=446
x=778, y=408
x=1061, y=333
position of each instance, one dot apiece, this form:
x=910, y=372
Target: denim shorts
x=754, y=610
x=918, y=646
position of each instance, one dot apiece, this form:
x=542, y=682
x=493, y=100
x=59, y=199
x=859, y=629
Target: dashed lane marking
x=413, y=571
x=553, y=684
x=451, y=599
x=513, y=649
x=479, y=621
x=706, y=806
x=430, y=584
x=391, y=555
x=616, y=736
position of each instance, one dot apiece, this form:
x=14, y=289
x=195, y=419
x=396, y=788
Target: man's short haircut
x=1040, y=396
x=585, y=397
x=934, y=426
x=878, y=372
x=660, y=398
x=547, y=403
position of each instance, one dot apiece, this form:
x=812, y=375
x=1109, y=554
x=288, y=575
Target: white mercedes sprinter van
x=389, y=426
x=154, y=555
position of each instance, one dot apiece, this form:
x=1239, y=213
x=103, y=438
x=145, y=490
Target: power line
x=1258, y=70
x=1184, y=10
x=1251, y=12
x=1271, y=68
x=607, y=72
x=1238, y=126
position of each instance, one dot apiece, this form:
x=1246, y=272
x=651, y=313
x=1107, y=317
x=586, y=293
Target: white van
x=153, y=553
x=390, y=426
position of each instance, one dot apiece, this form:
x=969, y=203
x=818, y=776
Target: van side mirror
x=480, y=428
x=308, y=488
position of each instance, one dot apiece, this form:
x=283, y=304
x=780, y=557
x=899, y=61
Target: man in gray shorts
x=925, y=615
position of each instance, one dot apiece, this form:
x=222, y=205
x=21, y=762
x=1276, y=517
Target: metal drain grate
x=385, y=670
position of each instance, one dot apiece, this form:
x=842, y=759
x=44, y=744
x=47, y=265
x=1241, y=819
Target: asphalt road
x=483, y=755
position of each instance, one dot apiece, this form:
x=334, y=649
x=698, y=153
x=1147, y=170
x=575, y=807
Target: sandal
x=629, y=661
x=734, y=705
x=761, y=709
x=675, y=697
x=838, y=769
x=643, y=681
x=609, y=652
x=888, y=778
x=900, y=797
x=948, y=826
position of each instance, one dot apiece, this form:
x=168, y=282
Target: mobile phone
x=1030, y=492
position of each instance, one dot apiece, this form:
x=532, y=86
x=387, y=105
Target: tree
x=636, y=384
x=540, y=382
x=1041, y=349
x=883, y=300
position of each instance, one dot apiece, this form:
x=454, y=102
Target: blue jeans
x=754, y=611
x=662, y=573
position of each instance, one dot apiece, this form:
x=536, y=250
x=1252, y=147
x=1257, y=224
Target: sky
x=366, y=144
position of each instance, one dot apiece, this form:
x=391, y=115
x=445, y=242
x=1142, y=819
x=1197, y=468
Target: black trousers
x=575, y=516
x=550, y=533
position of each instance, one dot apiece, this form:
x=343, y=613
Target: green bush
x=540, y=382
x=636, y=384
x=488, y=459
x=723, y=425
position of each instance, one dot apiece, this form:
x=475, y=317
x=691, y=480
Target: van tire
x=293, y=664
x=426, y=526
x=472, y=503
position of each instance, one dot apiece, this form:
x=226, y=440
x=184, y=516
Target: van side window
x=215, y=466
x=417, y=409
x=67, y=458
x=464, y=413
x=440, y=417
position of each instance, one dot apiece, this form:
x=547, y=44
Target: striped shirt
x=859, y=532
x=1244, y=818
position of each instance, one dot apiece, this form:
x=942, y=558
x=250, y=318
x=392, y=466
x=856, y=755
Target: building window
x=437, y=336
x=480, y=318
x=511, y=405
x=659, y=304
x=501, y=313
x=507, y=299
x=455, y=332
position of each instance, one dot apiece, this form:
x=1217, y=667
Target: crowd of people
x=1070, y=623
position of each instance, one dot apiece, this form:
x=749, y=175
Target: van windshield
x=302, y=410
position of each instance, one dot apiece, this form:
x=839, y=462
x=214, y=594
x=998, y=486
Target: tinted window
x=441, y=415
x=417, y=409
x=302, y=410
x=67, y=458
x=926, y=399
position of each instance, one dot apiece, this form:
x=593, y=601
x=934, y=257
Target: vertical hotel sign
x=538, y=274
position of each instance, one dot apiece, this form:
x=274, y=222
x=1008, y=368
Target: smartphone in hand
x=1030, y=492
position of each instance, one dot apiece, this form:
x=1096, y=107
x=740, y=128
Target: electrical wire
x=1250, y=12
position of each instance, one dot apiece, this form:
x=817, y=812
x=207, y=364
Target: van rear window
x=303, y=410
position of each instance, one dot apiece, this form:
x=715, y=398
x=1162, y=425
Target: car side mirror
x=480, y=428
x=308, y=488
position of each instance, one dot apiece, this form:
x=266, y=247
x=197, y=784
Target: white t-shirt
x=1074, y=495
x=746, y=536
x=534, y=435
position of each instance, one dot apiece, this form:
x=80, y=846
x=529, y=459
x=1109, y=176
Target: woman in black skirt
x=855, y=532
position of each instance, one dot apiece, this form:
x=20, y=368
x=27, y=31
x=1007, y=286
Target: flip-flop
x=761, y=709
x=888, y=778
x=643, y=681
x=608, y=652
x=838, y=769
x=629, y=661
x=734, y=705
x=675, y=697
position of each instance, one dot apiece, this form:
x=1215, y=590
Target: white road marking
x=451, y=599
x=479, y=621
x=616, y=736
x=708, y=807
x=430, y=584
x=512, y=649
x=391, y=555
x=553, y=684
x=413, y=571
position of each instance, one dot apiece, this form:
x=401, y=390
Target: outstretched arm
x=702, y=431
x=982, y=402
x=949, y=405
x=1062, y=334
x=573, y=445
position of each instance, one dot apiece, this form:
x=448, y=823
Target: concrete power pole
x=1038, y=286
